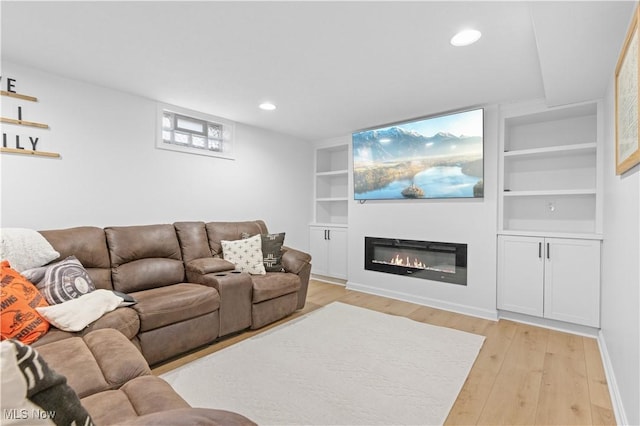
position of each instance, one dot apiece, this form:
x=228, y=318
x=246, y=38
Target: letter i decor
x=18, y=143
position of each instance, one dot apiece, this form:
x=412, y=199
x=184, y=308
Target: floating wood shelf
x=23, y=123
x=19, y=96
x=29, y=152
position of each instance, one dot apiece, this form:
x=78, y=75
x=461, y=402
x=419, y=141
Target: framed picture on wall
x=626, y=100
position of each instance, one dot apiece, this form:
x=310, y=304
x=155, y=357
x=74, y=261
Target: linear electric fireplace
x=421, y=259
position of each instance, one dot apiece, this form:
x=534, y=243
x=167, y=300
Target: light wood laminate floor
x=523, y=374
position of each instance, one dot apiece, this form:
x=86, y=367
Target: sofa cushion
x=89, y=245
x=274, y=284
x=90, y=364
x=193, y=240
x=146, y=274
x=129, y=243
x=138, y=397
x=144, y=257
x=161, y=306
x=218, y=231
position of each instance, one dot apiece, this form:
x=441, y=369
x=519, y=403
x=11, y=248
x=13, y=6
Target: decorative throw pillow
x=76, y=314
x=61, y=281
x=19, y=300
x=14, y=391
x=41, y=395
x=245, y=254
x=25, y=248
x=271, y=251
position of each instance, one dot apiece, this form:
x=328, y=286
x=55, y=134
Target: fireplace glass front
x=430, y=260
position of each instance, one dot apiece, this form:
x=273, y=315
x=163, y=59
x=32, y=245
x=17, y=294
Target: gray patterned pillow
x=271, y=251
x=61, y=281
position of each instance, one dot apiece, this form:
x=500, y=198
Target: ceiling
x=330, y=67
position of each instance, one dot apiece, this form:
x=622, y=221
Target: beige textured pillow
x=246, y=254
x=25, y=248
x=76, y=314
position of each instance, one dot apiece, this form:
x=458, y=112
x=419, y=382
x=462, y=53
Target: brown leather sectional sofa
x=187, y=294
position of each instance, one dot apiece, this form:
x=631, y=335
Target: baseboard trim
x=580, y=330
x=329, y=280
x=424, y=301
x=614, y=392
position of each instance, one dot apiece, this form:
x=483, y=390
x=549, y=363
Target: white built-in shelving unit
x=550, y=211
x=328, y=232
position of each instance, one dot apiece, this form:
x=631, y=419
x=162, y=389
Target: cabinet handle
x=540, y=250
x=328, y=234
x=548, y=252
x=325, y=234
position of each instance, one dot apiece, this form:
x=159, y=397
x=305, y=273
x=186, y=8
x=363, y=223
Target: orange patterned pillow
x=18, y=299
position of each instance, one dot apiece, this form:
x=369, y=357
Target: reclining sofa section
x=187, y=294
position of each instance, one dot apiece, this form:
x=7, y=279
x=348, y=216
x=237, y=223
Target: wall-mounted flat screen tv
x=432, y=157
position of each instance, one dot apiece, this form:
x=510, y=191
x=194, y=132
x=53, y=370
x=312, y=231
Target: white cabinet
x=550, y=170
x=555, y=278
x=328, y=247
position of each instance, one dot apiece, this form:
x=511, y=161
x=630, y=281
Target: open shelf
x=544, y=193
x=553, y=150
x=331, y=181
x=550, y=170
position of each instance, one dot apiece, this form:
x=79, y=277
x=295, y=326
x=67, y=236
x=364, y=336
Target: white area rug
x=339, y=365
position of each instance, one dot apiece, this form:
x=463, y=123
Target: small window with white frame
x=194, y=132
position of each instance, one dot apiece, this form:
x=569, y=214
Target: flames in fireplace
x=399, y=261
x=406, y=261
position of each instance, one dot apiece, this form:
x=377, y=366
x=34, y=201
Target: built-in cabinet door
x=520, y=275
x=318, y=250
x=572, y=281
x=337, y=255
x=555, y=278
x=328, y=247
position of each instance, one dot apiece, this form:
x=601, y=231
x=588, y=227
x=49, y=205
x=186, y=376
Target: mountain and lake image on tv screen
x=434, y=157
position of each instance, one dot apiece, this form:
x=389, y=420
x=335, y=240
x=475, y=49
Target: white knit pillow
x=25, y=248
x=245, y=254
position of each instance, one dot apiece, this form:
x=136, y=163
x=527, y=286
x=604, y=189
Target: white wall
x=620, y=311
x=110, y=172
x=470, y=221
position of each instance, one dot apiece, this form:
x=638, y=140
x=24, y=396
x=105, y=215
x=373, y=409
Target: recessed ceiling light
x=267, y=106
x=466, y=37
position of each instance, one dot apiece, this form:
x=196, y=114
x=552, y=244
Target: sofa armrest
x=208, y=265
x=294, y=261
